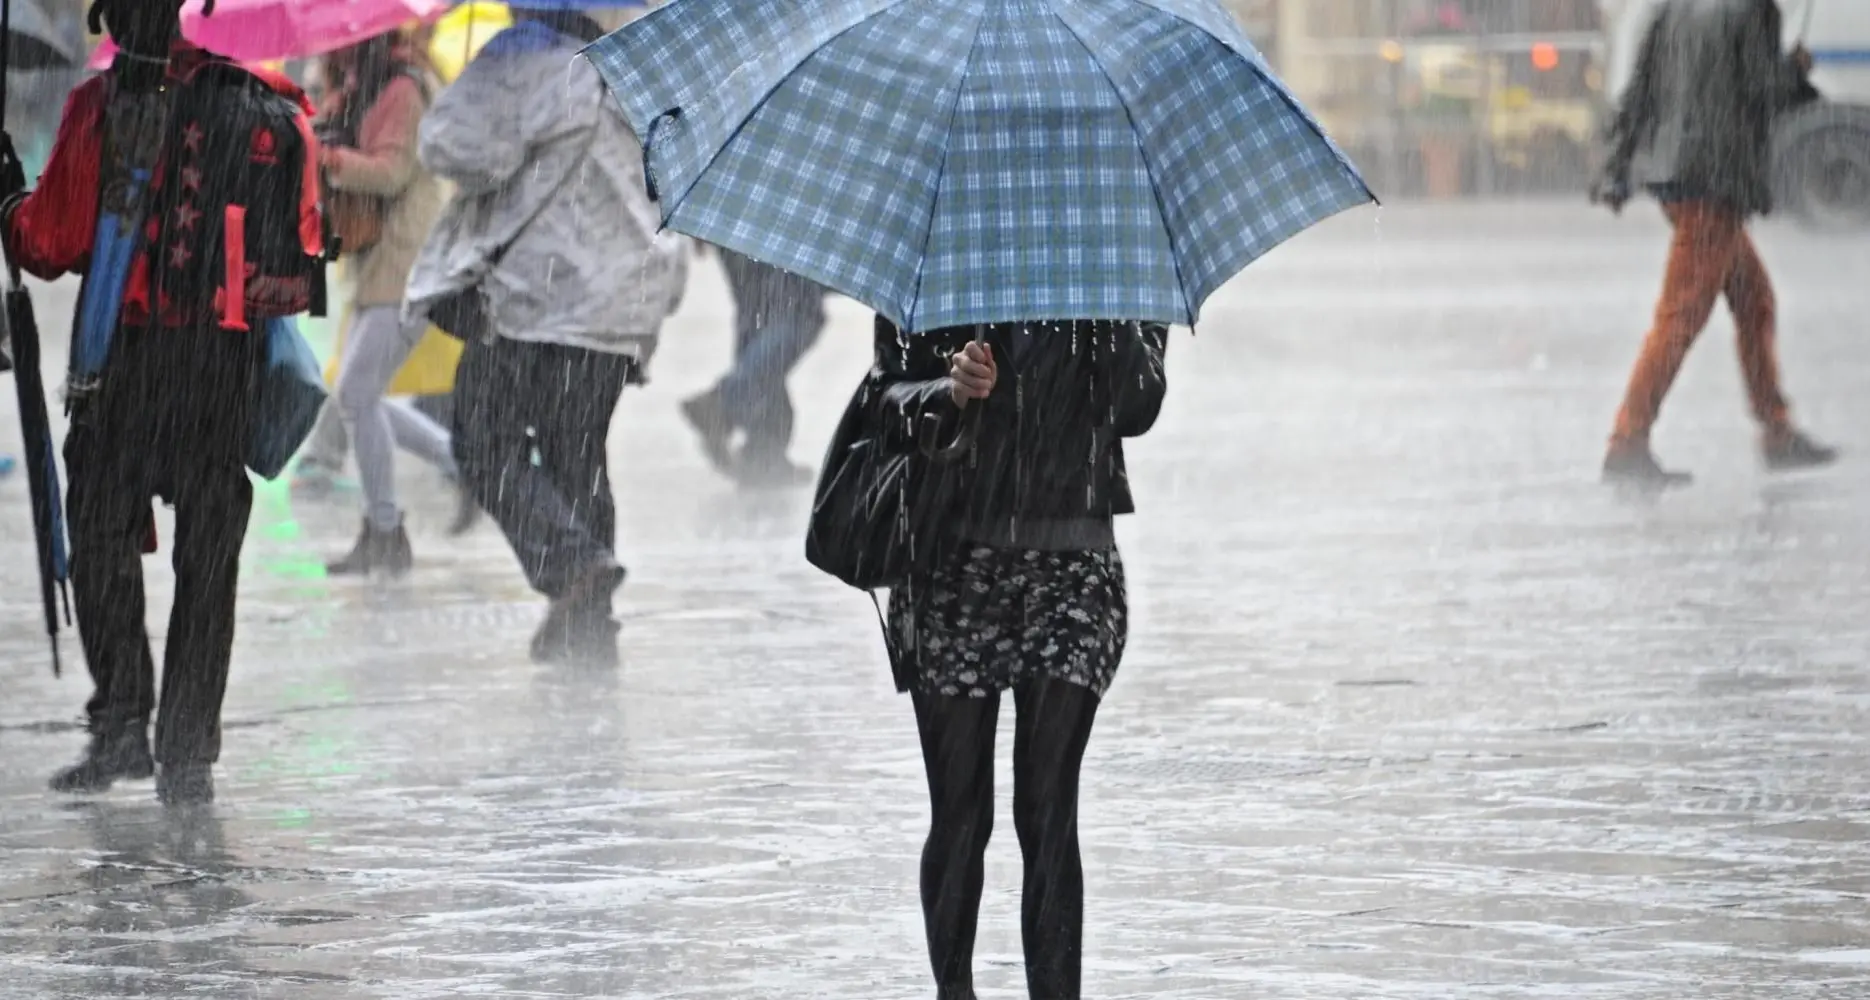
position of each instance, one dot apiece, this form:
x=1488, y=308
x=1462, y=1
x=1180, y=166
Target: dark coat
x=1047, y=470
x=1696, y=120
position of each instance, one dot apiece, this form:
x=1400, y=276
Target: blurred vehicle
x=1822, y=162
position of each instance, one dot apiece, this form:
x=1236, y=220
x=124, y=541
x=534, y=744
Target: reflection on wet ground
x=1413, y=707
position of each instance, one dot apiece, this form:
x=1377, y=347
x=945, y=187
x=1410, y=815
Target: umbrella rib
x=934, y=203
x=754, y=107
x=1149, y=168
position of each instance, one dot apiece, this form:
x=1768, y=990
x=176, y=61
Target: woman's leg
x=1049, y=737
x=378, y=345
x=957, y=752
x=328, y=443
x=418, y=434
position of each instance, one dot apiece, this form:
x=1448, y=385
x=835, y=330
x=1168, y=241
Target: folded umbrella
x=268, y=30
x=951, y=162
x=34, y=42
x=48, y=516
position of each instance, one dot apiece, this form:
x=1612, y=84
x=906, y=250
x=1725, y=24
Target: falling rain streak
x=729, y=339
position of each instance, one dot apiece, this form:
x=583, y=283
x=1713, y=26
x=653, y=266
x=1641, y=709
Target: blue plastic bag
x=291, y=392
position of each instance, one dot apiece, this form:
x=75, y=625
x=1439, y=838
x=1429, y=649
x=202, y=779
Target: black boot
x=1786, y=449
x=467, y=512
x=185, y=784
x=1631, y=464
x=120, y=754
x=376, y=551
x=709, y=418
x=578, y=626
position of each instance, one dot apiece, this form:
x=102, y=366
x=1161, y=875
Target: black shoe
x=706, y=414
x=185, y=784
x=109, y=757
x=376, y=551
x=467, y=512
x=580, y=617
x=1788, y=449
x=585, y=640
x=1634, y=465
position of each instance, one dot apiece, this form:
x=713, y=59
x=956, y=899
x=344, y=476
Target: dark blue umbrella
x=22, y=333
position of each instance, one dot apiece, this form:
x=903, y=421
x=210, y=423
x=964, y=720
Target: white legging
x=376, y=348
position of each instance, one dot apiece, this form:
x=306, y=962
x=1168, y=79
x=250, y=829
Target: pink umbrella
x=265, y=30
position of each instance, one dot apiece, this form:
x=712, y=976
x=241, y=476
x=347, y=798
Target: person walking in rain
x=1695, y=132
x=378, y=92
x=552, y=238
x=1028, y=597
x=1026, y=200
x=198, y=162
x=777, y=318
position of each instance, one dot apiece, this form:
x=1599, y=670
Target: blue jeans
x=778, y=317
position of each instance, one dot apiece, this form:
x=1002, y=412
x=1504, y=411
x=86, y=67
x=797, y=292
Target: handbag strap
x=890, y=645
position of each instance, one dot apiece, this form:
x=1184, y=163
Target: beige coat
x=385, y=164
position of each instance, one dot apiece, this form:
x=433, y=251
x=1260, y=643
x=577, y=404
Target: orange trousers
x=1710, y=256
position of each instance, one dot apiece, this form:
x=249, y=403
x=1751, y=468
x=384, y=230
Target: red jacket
x=49, y=231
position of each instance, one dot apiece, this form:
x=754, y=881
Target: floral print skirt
x=994, y=617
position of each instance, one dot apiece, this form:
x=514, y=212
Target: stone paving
x=1413, y=708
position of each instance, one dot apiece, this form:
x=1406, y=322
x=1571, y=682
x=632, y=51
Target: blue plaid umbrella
x=950, y=162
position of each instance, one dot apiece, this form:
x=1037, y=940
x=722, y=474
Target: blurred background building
x=1445, y=98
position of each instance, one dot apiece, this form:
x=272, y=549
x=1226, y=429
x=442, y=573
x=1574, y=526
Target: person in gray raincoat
x=552, y=237
x=1694, y=131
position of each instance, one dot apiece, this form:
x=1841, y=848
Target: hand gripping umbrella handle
x=968, y=432
x=649, y=139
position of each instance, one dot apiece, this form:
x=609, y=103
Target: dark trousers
x=1053, y=725
x=777, y=318
x=531, y=423
x=171, y=418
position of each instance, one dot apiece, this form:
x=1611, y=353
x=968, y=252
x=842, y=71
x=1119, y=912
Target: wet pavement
x=1413, y=707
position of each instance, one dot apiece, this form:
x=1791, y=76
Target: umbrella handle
x=649, y=139
x=969, y=430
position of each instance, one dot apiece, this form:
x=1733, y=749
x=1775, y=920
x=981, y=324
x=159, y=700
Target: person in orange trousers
x=1709, y=181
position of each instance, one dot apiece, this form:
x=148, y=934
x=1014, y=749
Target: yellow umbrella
x=461, y=33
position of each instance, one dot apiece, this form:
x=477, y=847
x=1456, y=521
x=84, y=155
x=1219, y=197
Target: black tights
x=1052, y=726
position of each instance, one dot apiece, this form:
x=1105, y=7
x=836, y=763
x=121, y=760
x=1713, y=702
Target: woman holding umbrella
x=1030, y=600
x=380, y=197
x=1027, y=192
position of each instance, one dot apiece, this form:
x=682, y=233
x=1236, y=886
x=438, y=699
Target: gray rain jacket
x=545, y=169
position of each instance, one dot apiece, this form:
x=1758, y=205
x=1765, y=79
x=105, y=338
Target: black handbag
x=880, y=517
x=461, y=315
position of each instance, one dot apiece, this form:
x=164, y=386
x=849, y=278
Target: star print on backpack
x=239, y=235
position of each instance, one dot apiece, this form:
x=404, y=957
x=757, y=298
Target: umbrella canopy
x=268, y=30
x=576, y=4
x=951, y=162
x=34, y=42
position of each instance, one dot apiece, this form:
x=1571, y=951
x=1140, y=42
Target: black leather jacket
x=1696, y=120
x=1046, y=470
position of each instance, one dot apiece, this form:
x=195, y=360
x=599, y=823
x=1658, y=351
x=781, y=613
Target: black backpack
x=235, y=231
